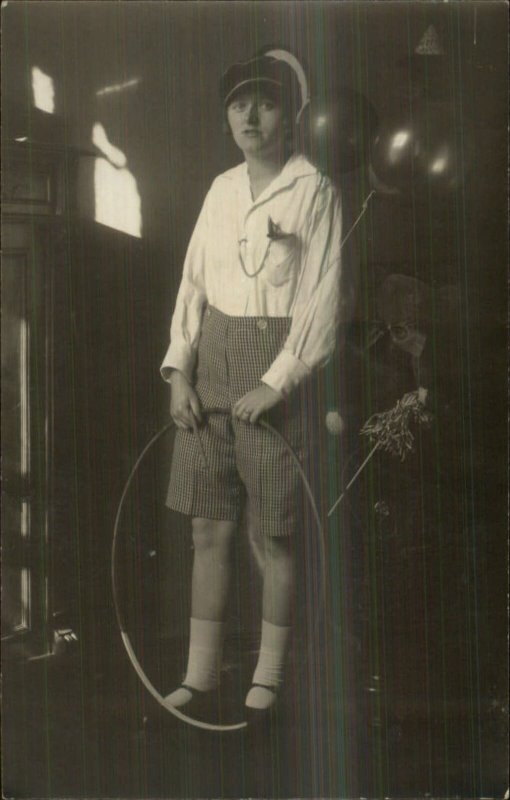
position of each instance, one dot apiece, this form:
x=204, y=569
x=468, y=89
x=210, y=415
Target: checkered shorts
x=242, y=459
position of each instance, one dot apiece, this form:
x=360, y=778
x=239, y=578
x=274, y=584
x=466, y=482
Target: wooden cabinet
x=32, y=228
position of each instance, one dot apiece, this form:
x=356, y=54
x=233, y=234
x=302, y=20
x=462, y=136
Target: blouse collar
x=296, y=167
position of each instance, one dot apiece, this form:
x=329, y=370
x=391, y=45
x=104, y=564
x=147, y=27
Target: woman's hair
x=279, y=77
x=276, y=94
x=275, y=71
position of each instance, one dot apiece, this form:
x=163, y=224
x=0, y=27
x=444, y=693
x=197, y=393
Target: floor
x=81, y=725
x=395, y=686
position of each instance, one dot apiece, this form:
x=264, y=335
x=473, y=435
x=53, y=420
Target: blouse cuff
x=285, y=373
x=178, y=357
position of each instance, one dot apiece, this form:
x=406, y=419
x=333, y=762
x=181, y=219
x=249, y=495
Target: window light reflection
x=43, y=91
x=118, y=87
x=117, y=199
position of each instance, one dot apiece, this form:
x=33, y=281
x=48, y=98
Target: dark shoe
x=204, y=706
x=259, y=715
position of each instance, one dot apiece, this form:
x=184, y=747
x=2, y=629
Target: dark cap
x=261, y=69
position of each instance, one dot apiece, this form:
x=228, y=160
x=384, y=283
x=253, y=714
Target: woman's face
x=256, y=122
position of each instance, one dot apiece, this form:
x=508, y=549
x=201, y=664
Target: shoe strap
x=273, y=689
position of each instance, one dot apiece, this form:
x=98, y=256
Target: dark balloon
x=429, y=152
x=341, y=131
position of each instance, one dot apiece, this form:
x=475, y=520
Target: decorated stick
x=390, y=431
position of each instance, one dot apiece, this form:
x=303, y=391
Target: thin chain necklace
x=243, y=265
x=269, y=236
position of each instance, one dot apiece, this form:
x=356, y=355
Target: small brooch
x=274, y=231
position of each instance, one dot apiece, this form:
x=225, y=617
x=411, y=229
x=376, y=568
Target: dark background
x=405, y=693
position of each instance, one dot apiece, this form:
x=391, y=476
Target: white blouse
x=233, y=265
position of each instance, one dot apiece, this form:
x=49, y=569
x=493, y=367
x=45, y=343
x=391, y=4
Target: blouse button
x=208, y=312
x=262, y=324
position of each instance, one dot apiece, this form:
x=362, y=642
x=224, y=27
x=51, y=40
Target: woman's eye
x=267, y=105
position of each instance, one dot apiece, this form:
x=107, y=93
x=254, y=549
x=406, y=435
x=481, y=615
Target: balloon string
x=367, y=459
x=360, y=215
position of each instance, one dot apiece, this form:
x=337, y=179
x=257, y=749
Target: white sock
x=270, y=665
x=204, y=660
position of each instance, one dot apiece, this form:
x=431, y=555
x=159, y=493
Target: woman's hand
x=254, y=403
x=184, y=402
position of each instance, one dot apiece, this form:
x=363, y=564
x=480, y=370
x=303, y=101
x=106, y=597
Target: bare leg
x=278, y=592
x=212, y=540
x=278, y=596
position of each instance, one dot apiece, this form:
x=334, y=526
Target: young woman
x=257, y=310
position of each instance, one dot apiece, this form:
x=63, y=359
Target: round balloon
x=428, y=151
x=341, y=130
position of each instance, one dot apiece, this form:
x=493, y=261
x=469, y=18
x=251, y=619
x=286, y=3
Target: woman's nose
x=253, y=112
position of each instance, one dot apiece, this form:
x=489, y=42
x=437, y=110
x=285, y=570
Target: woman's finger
x=183, y=418
x=178, y=422
x=238, y=411
x=187, y=417
x=244, y=414
x=195, y=407
x=181, y=421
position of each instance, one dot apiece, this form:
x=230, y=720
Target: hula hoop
x=121, y=622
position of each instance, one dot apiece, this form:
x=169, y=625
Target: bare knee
x=212, y=534
x=278, y=549
x=278, y=559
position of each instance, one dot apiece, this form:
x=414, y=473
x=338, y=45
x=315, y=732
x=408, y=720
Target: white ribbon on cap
x=291, y=60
